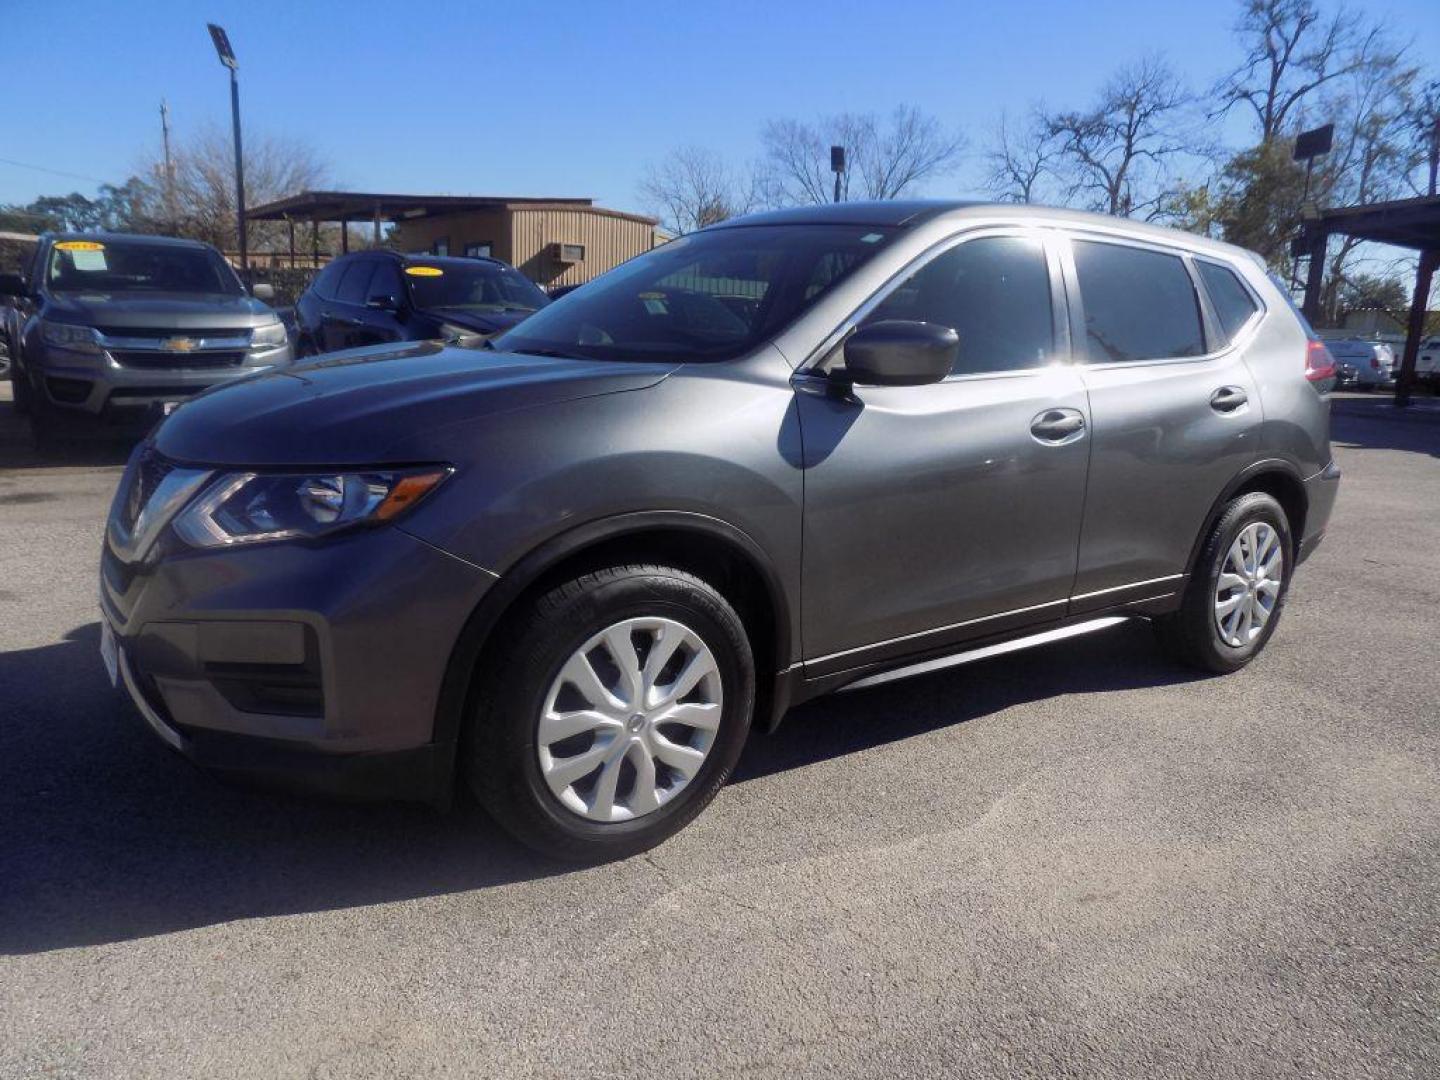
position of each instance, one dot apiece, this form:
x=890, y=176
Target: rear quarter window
x=1233, y=304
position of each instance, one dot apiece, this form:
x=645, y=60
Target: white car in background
x=1427, y=361
x=1365, y=365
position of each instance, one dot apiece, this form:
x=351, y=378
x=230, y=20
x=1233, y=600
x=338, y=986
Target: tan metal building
x=554, y=242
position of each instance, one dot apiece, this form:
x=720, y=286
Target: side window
x=355, y=285
x=326, y=281
x=1139, y=304
x=1232, y=302
x=386, y=281
x=993, y=292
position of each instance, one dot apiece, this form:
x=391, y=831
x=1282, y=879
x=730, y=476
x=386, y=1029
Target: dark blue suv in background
x=373, y=297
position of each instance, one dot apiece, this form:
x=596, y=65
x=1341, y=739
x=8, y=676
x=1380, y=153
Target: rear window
x=1139, y=304
x=1233, y=304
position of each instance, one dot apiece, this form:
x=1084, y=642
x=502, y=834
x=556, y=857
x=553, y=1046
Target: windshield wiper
x=554, y=354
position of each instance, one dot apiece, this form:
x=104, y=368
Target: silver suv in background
x=109, y=324
x=1365, y=365
x=792, y=453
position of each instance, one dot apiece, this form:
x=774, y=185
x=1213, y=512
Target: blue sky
x=562, y=98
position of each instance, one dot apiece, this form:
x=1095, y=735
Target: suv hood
x=169, y=311
x=383, y=405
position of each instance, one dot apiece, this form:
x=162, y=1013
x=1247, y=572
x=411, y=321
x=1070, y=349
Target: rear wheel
x=1238, y=589
x=613, y=713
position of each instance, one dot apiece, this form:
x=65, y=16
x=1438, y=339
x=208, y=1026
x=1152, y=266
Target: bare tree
x=884, y=158
x=1292, y=50
x=204, y=184
x=1422, y=122
x=1021, y=158
x=693, y=187
x=1119, y=157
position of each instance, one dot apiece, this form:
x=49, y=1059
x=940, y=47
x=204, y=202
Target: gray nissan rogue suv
x=791, y=453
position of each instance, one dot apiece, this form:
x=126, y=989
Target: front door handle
x=1228, y=398
x=1057, y=427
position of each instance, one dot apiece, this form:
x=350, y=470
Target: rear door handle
x=1056, y=427
x=1228, y=399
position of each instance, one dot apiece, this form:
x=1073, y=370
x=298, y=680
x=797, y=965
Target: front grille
x=220, y=358
x=161, y=333
x=150, y=469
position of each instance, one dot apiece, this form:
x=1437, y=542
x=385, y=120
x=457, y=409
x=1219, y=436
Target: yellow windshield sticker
x=424, y=271
x=79, y=245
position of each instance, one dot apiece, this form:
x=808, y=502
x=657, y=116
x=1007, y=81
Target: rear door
x=944, y=512
x=1175, y=414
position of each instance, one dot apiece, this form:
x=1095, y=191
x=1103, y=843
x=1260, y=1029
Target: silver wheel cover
x=1249, y=584
x=630, y=719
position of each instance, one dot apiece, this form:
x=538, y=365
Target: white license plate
x=108, y=652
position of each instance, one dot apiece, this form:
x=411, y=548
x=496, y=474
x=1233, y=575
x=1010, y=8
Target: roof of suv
x=908, y=213
x=422, y=257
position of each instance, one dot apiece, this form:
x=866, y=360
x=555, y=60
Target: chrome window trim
x=1043, y=234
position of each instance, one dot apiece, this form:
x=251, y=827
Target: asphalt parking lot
x=1081, y=860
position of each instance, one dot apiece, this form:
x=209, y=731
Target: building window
x=571, y=253
x=441, y=246
x=478, y=251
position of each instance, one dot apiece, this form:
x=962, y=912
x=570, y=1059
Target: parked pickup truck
x=107, y=325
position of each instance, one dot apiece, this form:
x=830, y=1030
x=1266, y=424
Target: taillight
x=1375, y=362
x=1319, y=364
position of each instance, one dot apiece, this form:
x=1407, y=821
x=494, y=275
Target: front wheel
x=613, y=713
x=1238, y=588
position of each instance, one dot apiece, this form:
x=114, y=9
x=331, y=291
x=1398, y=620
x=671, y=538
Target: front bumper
x=95, y=384
x=316, y=666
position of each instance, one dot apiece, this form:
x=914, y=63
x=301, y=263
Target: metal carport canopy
x=1409, y=223
x=347, y=206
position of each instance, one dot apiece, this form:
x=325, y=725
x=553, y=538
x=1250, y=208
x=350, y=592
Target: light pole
x=227, y=57
x=837, y=166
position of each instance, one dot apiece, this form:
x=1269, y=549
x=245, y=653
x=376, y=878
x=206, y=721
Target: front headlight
x=451, y=332
x=267, y=337
x=81, y=339
x=244, y=508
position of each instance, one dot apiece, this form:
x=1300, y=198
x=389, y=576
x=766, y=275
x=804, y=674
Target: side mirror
x=13, y=285
x=900, y=353
x=383, y=302
x=261, y=291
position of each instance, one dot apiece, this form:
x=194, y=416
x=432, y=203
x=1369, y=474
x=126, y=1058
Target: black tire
x=1190, y=634
x=47, y=426
x=499, y=754
x=20, y=388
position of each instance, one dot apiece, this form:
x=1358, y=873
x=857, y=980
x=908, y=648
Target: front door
x=944, y=512
x=343, y=316
x=1175, y=416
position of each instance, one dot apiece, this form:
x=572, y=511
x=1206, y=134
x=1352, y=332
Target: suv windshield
x=709, y=296
x=481, y=287
x=127, y=266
